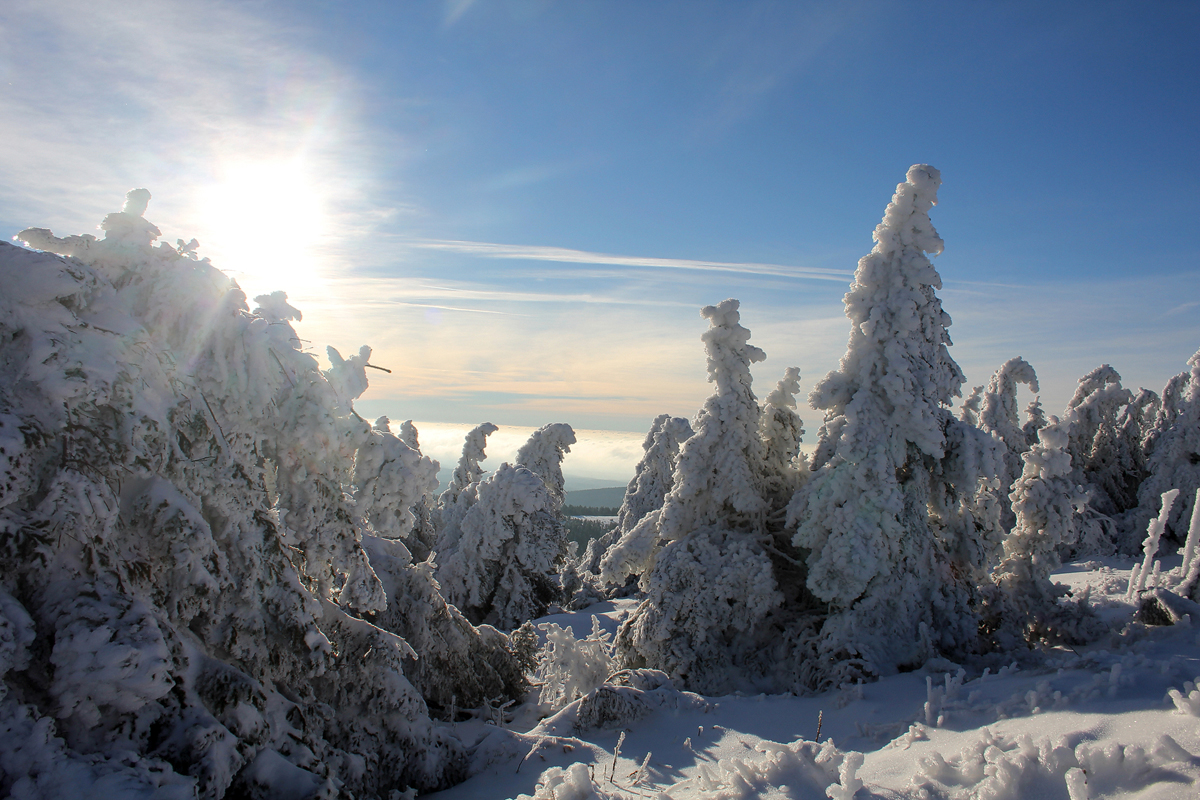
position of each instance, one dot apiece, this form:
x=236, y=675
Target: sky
x=522, y=206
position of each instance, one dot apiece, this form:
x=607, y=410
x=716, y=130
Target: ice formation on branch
x=863, y=515
x=190, y=525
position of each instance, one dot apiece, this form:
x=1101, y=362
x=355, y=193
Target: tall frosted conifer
x=712, y=583
x=863, y=514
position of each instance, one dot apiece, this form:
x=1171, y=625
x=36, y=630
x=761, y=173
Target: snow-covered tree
x=421, y=536
x=1174, y=460
x=721, y=471
x=863, y=516
x=781, y=431
x=183, y=525
x=504, y=569
x=969, y=413
x=1092, y=414
x=1035, y=420
x=654, y=474
x=543, y=455
x=998, y=413
x=998, y=416
x=1045, y=502
x=468, y=470
x=712, y=584
x=628, y=548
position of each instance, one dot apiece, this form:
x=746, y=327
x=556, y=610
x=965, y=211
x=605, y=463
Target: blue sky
x=522, y=205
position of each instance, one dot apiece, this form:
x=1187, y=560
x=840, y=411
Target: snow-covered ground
x=1095, y=722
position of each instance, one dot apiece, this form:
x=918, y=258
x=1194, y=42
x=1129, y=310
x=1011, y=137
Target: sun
x=265, y=223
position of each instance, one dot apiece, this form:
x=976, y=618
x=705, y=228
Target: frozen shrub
x=570, y=667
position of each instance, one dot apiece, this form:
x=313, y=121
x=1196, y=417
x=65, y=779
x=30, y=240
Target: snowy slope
x=1013, y=733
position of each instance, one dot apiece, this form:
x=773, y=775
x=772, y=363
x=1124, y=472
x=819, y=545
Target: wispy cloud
x=382, y=292
x=455, y=308
x=563, y=255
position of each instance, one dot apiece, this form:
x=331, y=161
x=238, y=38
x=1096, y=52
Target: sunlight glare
x=266, y=221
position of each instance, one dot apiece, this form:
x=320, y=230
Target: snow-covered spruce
x=998, y=413
x=1098, y=453
x=897, y=579
x=468, y=470
x=504, y=570
x=1174, y=461
x=185, y=505
x=622, y=553
x=462, y=492
x=543, y=454
x=782, y=431
x=1045, y=502
x=712, y=584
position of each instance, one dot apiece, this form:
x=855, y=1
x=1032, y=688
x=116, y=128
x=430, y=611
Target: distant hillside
x=580, y=489
x=609, y=497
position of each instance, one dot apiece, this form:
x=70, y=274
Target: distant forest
x=589, y=511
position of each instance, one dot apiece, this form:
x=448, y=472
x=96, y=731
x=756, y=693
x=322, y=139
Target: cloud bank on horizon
x=370, y=160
